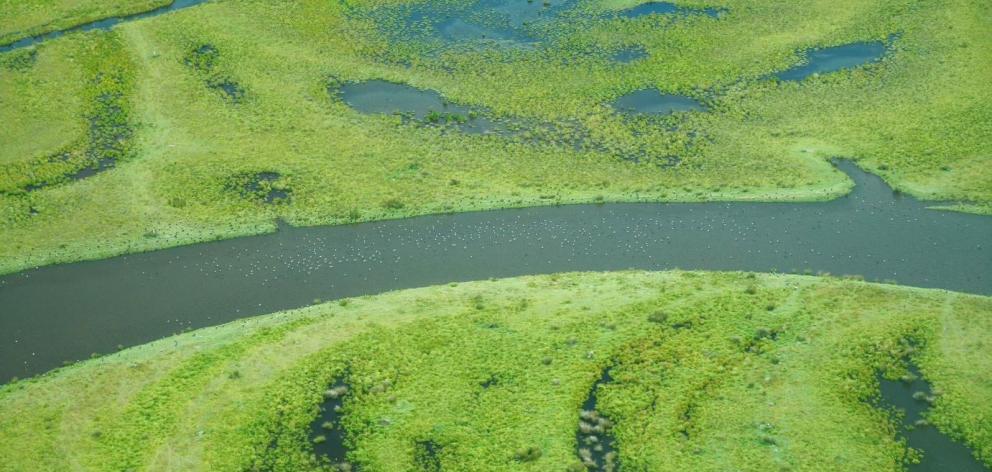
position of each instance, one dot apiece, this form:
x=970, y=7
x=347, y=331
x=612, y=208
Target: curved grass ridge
x=108, y=82
x=710, y=371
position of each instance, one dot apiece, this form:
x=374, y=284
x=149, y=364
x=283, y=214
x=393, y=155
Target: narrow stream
x=103, y=25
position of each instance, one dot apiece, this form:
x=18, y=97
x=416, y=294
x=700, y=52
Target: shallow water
x=822, y=61
x=508, y=21
x=940, y=453
x=425, y=106
x=599, y=444
x=629, y=54
x=327, y=425
x=665, y=8
x=66, y=312
x=653, y=102
x=103, y=25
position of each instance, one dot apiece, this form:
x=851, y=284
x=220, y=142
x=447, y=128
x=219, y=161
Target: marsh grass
x=415, y=370
x=761, y=140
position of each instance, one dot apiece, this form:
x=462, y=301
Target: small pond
x=327, y=433
x=665, y=8
x=629, y=54
x=832, y=59
x=508, y=21
x=423, y=106
x=653, y=102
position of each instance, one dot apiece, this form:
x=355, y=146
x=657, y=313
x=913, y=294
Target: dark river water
x=65, y=312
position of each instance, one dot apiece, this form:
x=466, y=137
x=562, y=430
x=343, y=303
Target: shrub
x=529, y=454
x=659, y=317
x=393, y=204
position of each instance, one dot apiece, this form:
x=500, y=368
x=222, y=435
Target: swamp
x=473, y=235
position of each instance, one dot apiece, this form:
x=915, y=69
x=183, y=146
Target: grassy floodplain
x=711, y=371
x=920, y=117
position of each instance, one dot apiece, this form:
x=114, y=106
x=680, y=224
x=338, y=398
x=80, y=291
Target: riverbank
x=264, y=107
x=873, y=233
x=709, y=371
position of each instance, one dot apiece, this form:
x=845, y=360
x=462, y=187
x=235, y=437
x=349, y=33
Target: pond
x=665, y=8
x=508, y=22
x=423, y=106
x=327, y=433
x=103, y=25
x=832, y=59
x=629, y=54
x=653, y=102
x=594, y=437
x=65, y=312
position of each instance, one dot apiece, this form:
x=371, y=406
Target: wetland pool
x=653, y=102
x=832, y=59
x=424, y=106
x=940, y=453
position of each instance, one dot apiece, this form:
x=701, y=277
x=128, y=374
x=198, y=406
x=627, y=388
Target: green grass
x=724, y=394
x=41, y=94
x=920, y=118
x=21, y=19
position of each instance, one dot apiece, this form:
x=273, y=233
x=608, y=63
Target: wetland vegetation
x=706, y=371
x=808, y=137
x=919, y=115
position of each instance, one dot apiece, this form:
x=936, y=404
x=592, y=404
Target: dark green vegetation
x=706, y=372
x=175, y=108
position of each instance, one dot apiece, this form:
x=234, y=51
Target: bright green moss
x=743, y=372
